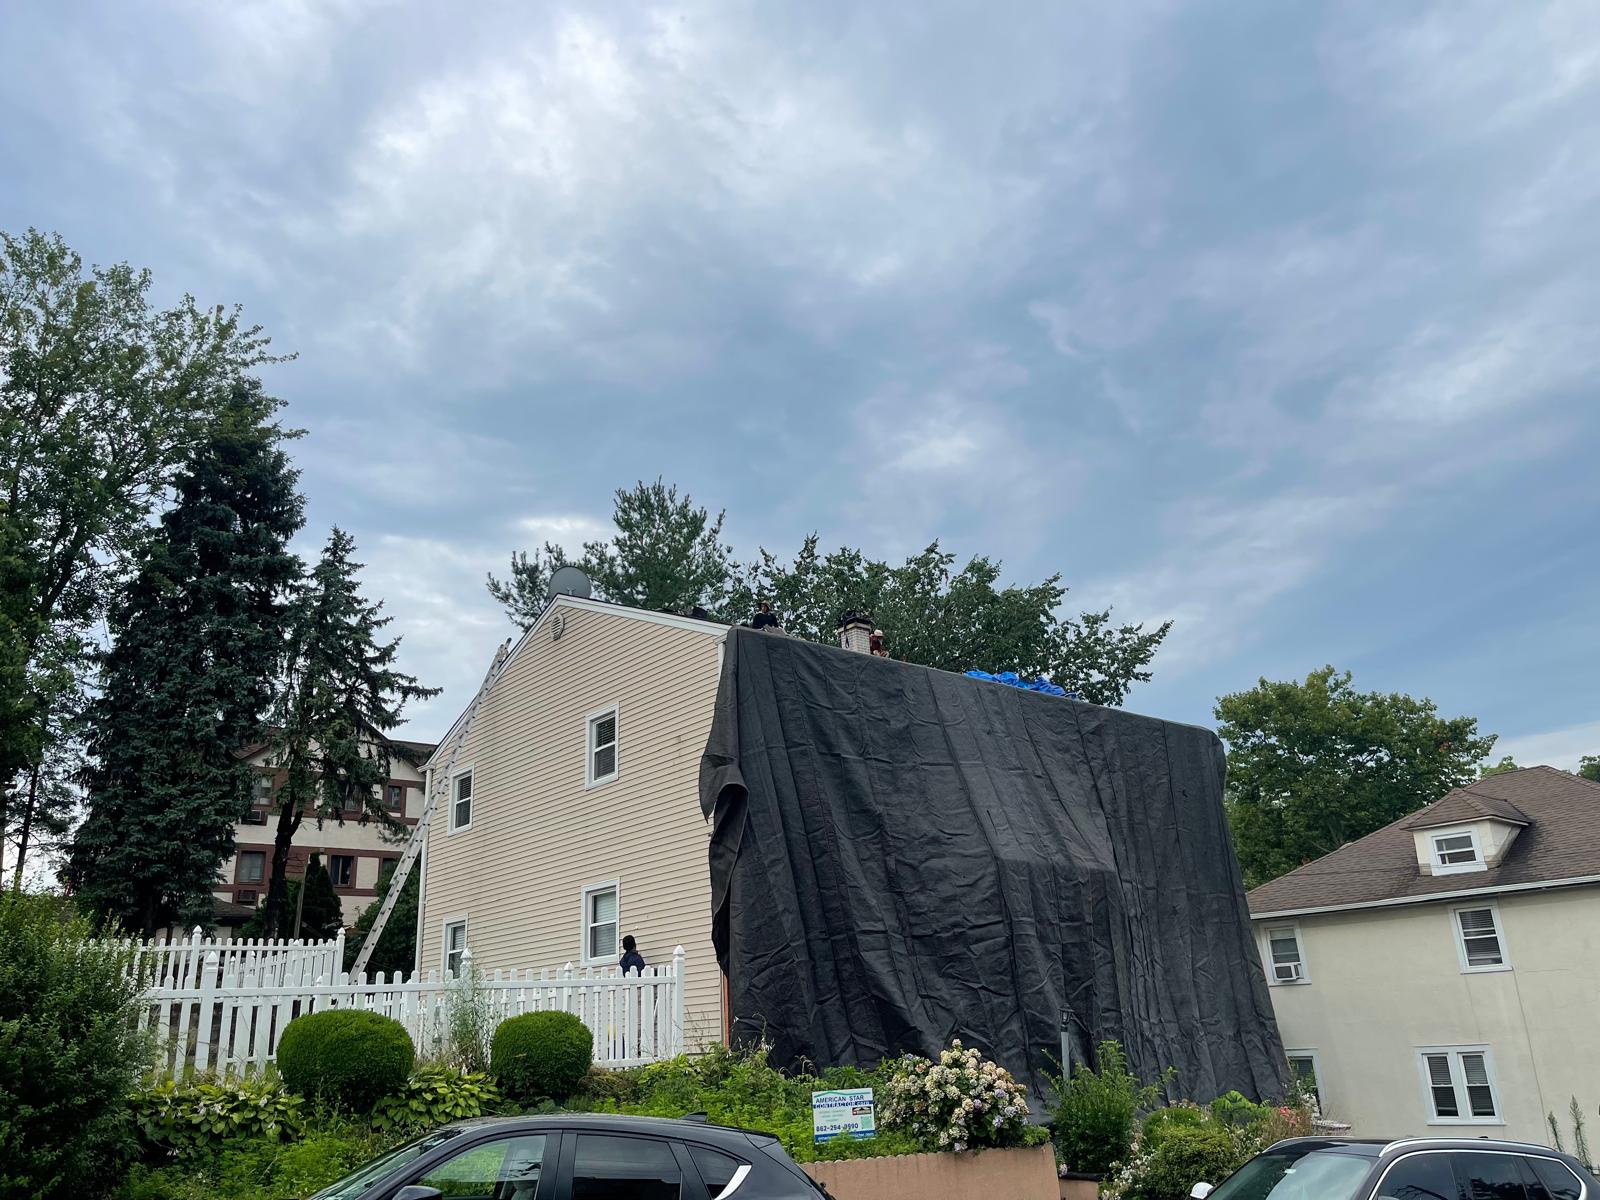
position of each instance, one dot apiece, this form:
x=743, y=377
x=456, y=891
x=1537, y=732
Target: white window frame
x=1458, y=1080
x=613, y=711
x=1440, y=867
x=1461, y=938
x=1316, y=1072
x=1266, y=954
x=472, y=801
x=444, y=946
x=611, y=885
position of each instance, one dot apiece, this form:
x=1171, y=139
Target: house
x=353, y=850
x=1441, y=976
x=960, y=859
x=570, y=818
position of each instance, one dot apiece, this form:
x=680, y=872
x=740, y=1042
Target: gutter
x=1460, y=894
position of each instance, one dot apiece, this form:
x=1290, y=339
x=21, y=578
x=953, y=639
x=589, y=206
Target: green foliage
x=1161, y=1121
x=601, y=1087
x=69, y=1055
x=322, y=913
x=197, y=1115
x=541, y=1055
x=396, y=952
x=348, y=1057
x=1316, y=764
x=436, y=1094
x=1589, y=767
x=1506, y=763
x=1096, y=1112
x=1238, y=1111
x=263, y=1169
x=195, y=645
x=961, y=1102
x=1188, y=1155
x=341, y=694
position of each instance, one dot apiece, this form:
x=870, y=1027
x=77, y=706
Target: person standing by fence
x=632, y=960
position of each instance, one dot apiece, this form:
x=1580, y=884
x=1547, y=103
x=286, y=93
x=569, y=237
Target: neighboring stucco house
x=1441, y=976
x=353, y=850
x=571, y=816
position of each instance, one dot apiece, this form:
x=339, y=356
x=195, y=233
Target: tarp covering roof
x=901, y=856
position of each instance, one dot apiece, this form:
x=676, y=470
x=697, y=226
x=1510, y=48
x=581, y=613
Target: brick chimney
x=855, y=632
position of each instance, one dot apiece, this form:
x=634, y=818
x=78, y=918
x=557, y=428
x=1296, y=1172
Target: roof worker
x=876, y=644
x=764, y=618
x=632, y=960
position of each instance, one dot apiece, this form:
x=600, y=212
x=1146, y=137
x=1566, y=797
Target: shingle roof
x=1562, y=841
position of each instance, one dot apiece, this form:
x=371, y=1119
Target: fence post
x=338, y=951
x=208, y=996
x=677, y=1001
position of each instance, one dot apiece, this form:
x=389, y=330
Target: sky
x=1276, y=320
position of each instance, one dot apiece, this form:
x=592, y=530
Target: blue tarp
x=1012, y=679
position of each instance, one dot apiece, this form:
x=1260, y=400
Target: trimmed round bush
x=542, y=1055
x=347, y=1056
x=1189, y=1155
x=1163, y=1120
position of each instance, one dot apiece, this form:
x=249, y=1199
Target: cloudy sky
x=1279, y=320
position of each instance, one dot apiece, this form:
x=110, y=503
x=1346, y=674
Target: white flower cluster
x=963, y=1100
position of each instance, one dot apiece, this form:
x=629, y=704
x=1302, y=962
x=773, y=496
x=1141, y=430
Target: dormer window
x=1455, y=850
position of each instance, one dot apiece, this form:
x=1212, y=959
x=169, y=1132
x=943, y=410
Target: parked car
x=1408, y=1169
x=581, y=1157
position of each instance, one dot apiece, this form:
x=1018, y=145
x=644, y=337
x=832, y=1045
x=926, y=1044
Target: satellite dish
x=568, y=581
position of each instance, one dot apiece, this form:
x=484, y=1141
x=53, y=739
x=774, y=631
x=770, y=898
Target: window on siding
x=461, y=802
x=1479, y=939
x=1283, y=947
x=1455, y=850
x=252, y=865
x=600, y=923
x=342, y=869
x=455, y=945
x=1459, y=1086
x=603, y=747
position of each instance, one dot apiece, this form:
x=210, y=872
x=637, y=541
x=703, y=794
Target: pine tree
x=322, y=913
x=341, y=696
x=196, y=643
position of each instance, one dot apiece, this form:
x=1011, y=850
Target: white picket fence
x=229, y=1019
x=273, y=960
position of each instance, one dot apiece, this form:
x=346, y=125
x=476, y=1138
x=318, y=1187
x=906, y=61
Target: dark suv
x=581, y=1157
x=1409, y=1169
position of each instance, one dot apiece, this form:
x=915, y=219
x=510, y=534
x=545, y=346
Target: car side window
x=625, y=1168
x=716, y=1168
x=508, y=1169
x=1420, y=1177
x=1556, y=1177
x=1490, y=1176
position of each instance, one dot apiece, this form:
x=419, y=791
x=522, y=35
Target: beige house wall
x=1383, y=983
x=539, y=835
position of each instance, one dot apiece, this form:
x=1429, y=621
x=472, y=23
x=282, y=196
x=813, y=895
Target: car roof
x=619, y=1123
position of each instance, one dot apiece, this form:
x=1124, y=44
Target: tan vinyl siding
x=539, y=835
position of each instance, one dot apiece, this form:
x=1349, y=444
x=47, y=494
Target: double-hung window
x=1478, y=939
x=455, y=946
x=1460, y=1085
x=600, y=924
x=342, y=869
x=1286, y=964
x=461, y=802
x=252, y=866
x=602, y=765
x=1454, y=851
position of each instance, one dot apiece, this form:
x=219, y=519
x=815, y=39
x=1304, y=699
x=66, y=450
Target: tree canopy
x=396, y=950
x=1315, y=764
x=1589, y=767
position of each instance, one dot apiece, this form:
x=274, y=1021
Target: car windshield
x=358, y=1181
x=1296, y=1175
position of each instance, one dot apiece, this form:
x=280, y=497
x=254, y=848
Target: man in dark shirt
x=632, y=960
x=764, y=618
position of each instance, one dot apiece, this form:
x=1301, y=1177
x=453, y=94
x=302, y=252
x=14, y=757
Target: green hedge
x=542, y=1055
x=348, y=1057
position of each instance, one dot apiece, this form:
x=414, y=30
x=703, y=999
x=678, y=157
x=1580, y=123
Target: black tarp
x=901, y=856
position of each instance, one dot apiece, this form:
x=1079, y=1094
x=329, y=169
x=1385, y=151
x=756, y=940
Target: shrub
x=541, y=1055
x=1096, y=1112
x=436, y=1095
x=346, y=1056
x=1159, y=1123
x=1238, y=1111
x=601, y=1086
x=962, y=1101
x=182, y=1118
x=69, y=1055
x=1189, y=1155
x=261, y=1169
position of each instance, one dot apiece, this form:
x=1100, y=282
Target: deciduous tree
x=1315, y=764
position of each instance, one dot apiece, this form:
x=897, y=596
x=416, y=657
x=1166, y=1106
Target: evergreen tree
x=396, y=950
x=322, y=912
x=340, y=697
x=196, y=643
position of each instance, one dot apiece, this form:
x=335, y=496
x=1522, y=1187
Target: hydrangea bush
x=962, y=1101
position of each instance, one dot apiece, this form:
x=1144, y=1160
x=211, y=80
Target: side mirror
x=415, y=1191
x=1198, y=1192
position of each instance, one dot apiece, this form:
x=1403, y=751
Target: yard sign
x=848, y=1113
